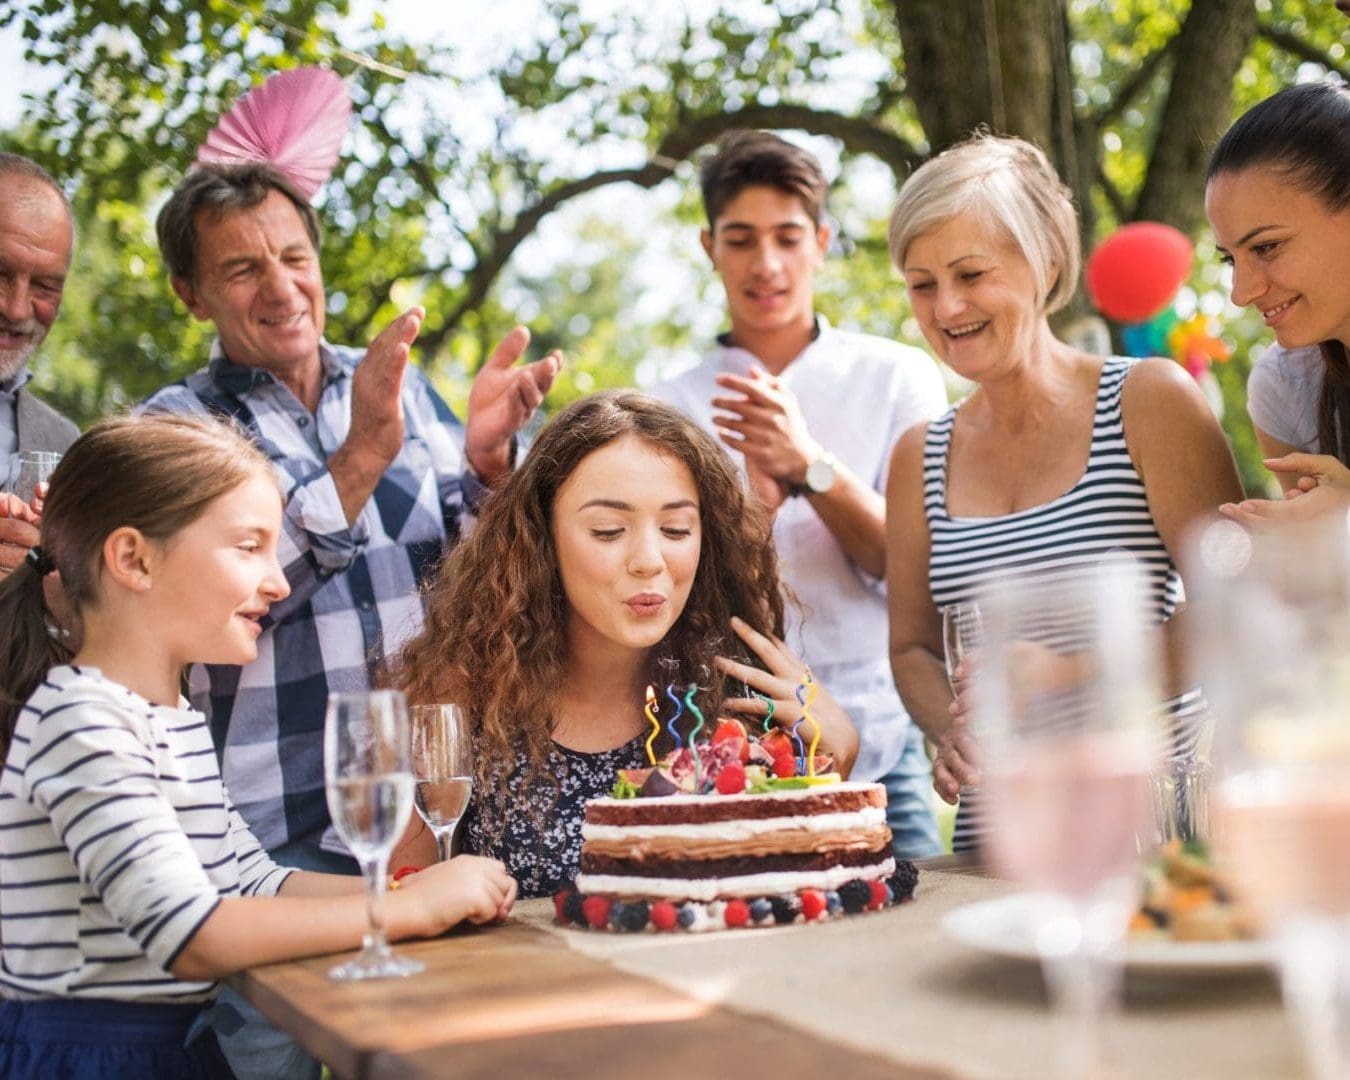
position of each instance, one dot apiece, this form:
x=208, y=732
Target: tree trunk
x=991, y=62
x=1209, y=50
x=1005, y=64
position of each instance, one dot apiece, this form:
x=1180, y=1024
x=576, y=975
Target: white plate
x=1004, y=927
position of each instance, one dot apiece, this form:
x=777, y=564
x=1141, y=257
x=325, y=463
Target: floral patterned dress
x=539, y=839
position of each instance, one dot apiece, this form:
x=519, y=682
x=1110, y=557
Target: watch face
x=820, y=474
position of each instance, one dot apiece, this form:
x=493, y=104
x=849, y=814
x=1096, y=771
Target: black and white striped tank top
x=1104, y=514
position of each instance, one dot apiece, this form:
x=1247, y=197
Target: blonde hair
x=1011, y=188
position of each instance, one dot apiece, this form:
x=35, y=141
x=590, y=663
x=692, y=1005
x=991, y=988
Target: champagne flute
x=30, y=473
x=962, y=633
x=962, y=629
x=1066, y=701
x=1272, y=638
x=442, y=766
x=369, y=785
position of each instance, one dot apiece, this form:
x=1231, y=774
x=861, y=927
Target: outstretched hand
x=779, y=684
x=502, y=400
x=1323, y=487
x=466, y=888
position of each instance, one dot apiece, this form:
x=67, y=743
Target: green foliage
x=451, y=167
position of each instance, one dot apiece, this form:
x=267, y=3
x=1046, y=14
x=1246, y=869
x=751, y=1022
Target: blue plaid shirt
x=354, y=589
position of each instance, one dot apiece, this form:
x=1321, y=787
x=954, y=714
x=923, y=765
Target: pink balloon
x=295, y=121
x=1136, y=271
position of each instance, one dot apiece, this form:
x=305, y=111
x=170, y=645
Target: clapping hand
x=766, y=425
x=502, y=400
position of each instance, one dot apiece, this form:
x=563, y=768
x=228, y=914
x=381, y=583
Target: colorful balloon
x=1136, y=271
x=1150, y=338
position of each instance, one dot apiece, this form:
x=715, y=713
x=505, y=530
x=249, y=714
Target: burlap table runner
x=891, y=983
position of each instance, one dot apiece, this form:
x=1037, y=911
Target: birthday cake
x=730, y=833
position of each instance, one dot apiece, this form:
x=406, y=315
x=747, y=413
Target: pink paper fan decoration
x=295, y=121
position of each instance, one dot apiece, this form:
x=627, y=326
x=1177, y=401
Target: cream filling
x=741, y=829
x=770, y=884
x=759, y=797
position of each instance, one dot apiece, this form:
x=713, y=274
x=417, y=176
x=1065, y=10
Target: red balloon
x=1136, y=271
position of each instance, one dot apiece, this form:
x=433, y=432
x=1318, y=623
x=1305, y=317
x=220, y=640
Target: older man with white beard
x=36, y=236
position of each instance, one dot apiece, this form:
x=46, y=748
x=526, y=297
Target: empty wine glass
x=962, y=629
x=1066, y=704
x=442, y=766
x=370, y=793
x=1272, y=638
x=30, y=469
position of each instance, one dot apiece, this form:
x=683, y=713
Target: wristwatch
x=820, y=474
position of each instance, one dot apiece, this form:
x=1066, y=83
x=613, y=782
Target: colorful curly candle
x=768, y=704
x=679, y=711
x=650, y=710
x=806, y=697
x=693, y=733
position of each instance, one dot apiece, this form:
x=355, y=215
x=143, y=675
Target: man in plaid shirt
x=376, y=474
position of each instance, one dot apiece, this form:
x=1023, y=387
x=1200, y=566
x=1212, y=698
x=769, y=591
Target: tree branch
x=1136, y=84
x=1209, y=50
x=1296, y=46
x=858, y=134
x=1113, y=195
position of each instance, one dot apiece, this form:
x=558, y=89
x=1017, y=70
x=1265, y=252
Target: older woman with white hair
x=1054, y=460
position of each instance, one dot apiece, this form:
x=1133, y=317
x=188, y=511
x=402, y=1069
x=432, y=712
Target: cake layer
x=722, y=840
x=766, y=883
x=840, y=798
x=676, y=866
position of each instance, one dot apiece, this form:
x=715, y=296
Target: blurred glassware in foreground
x=1272, y=646
x=1066, y=703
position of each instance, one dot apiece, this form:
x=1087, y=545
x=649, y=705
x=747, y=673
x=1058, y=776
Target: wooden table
x=527, y=1000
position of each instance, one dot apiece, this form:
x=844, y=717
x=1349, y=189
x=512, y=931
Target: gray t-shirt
x=1282, y=393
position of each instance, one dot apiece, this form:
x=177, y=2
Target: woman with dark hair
x=622, y=553
x=1278, y=197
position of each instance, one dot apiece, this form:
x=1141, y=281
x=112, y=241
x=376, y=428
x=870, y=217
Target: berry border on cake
x=634, y=916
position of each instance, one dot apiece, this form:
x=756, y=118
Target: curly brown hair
x=494, y=638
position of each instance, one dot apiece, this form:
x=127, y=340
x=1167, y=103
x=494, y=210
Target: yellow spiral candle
x=650, y=710
x=811, y=691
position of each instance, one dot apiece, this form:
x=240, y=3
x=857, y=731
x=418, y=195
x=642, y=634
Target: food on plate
x=1188, y=897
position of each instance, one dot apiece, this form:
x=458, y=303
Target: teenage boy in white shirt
x=813, y=412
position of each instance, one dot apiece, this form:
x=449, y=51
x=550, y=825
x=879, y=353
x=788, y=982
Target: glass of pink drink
x=1273, y=644
x=1066, y=704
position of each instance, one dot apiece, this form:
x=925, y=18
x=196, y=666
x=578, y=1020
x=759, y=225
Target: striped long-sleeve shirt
x=117, y=841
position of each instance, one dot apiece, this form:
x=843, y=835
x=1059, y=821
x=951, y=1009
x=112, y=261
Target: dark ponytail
x=31, y=646
x=1333, y=405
